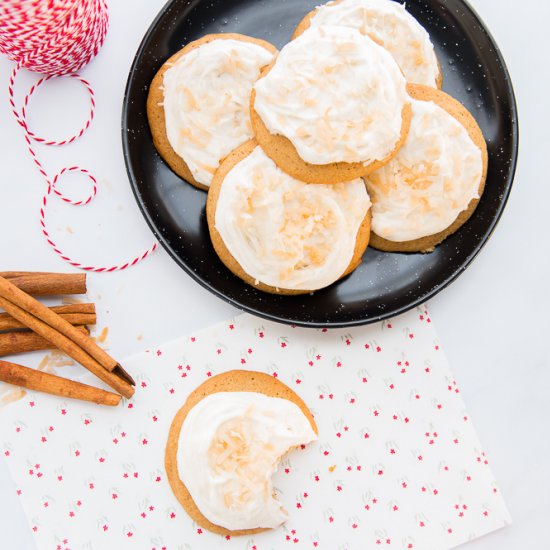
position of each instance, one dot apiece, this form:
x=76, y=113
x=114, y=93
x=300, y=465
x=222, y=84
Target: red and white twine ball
x=52, y=37
x=55, y=38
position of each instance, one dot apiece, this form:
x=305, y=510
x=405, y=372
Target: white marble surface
x=493, y=321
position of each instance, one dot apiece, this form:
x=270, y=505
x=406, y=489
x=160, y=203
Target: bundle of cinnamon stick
x=28, y=325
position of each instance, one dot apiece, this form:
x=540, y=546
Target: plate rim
x=315, y=324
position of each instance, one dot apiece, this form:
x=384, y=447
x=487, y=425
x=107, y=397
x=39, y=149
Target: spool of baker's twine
x=55, y=38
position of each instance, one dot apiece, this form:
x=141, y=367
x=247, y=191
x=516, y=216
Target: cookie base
x=305, y=23
x=283, y=153
x=361, y=242
x=464, y=117
x=236, y=380
x=155, y=105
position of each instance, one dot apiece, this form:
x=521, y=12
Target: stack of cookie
x=341, y=139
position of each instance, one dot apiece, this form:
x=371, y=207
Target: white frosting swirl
x=391, y=25
x=336, y=95
x=229, y=447
x=286, y=233
x=433, y=177
x=207, y=100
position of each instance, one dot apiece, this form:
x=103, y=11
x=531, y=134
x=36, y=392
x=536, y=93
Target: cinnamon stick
x=65, y=344
x=39, y=311
x=76, y=314
x=43, y=284
x=55, y=385
x=22, y=341
x=23, y=307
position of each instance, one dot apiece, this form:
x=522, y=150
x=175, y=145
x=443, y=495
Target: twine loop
x=55, y=38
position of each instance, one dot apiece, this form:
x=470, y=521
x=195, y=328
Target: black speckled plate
x=385, y=284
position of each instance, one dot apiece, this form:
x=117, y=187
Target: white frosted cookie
x=198, y=105
x=226, y=442
x=392, y=26
x=432, y=186
x=337, y=99
x=280, y=234
x=231, y=443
